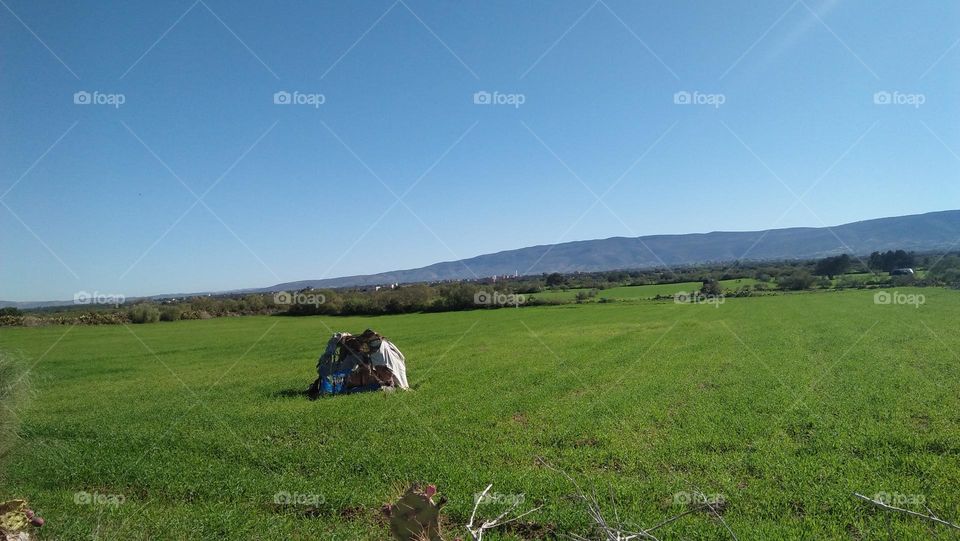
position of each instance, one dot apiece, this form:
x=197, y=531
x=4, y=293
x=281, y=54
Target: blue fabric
x=334, y=383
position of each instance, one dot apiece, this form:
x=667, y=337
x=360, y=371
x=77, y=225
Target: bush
x=582, y=296
x=833, y=266
x=556, y=279
x=796, y=281
x=170, y=313
x=10, y=321
x=711, y=287
x=946, y=270
x=144, y=313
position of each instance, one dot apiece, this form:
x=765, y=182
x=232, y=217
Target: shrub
x=144, y=313
x=743, y=291
x=556, y=279
x=796, y=280
x=833, y=266
x=711, y=287
x=584, y=295
x=170, y=313
x=946, y=270
x=10, y=321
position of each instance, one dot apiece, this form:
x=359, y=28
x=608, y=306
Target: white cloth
x=388, y=355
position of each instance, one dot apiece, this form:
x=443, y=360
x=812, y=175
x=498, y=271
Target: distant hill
x=921, y=232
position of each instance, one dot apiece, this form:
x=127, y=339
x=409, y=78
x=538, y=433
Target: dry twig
x=887, y=507
x=476, y=532
x=617, y=532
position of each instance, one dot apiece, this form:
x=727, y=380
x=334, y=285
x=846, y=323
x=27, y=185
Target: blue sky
x=100, y=197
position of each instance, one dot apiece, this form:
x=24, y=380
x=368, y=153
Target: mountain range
x=933, y=231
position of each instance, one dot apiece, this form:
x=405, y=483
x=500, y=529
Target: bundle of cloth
x=365, y=362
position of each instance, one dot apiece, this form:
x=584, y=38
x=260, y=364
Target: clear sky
x=785, y=129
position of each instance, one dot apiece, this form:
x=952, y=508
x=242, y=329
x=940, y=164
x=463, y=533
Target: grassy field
x=640, y=292
x=784, y=405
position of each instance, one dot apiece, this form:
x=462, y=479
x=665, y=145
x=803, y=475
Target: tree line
x=840, y=271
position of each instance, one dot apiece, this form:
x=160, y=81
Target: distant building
x=902, y=272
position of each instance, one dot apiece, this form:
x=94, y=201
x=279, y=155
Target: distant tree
x=832, y=266
x=711, y=287
x=10, y=311
x=946, y=270
x=797, y=280
x=556, y=279
x=889, y=260
x=618, y=276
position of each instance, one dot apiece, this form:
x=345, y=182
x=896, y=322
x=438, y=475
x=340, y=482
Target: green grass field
x=640, y=292
x=784, y=405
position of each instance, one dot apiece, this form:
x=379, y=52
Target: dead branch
x=887, y=507
x=476, y=532
x=618, y=533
